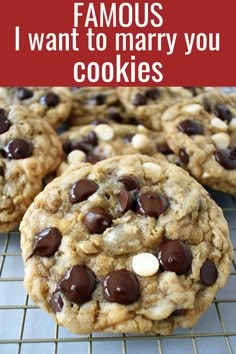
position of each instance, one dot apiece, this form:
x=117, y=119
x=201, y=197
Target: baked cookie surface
x=202, y=132
x=130, y=244
x=147, y=104
x=30, y=149
x=51, y=103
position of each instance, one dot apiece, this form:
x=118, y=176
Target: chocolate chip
x=2, y=111
x=91, y=138
x=114, y=115
x=178, y=312
x=208, y=273
x=174, y=256
x=139, y=100
x=24, y=93
x=47, y=242
x=86, y=144
x=4, y=123
x=78, y=284
x=51, y=99
x=152, y=204
x=133, y=121
x=92, y=158
x=207, y=104
x=130, y=182
x=48, y=178
x=152, y=93
x=128, y=138
x=226, y=158
x=97, y=220
x=81, y=190
x=56, y=302
x=1, y=171
x=190, y=127
x=97, y=99
x=121, y=286
x=18, y=149
x=184, y=157
x=126, y=200
x=164, y=149
x=223, y=112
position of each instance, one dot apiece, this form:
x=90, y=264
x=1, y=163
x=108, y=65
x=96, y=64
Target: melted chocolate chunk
x=97, y=100
x=190, y=127
x=126, y=200
x=208, y=273
x=130, y=182
x=47, y=242
x=184, y=157
x=4, y=123
x=223, y=112
x=139, y=100
x=78, y=284
x=226, y=158
x=174, y=256
x=97, y=220
x=56, y=302
x=152, y=93
x=18, y=149
x=24, y=93
x=51, y=99
x=81, y=190
x=152, y=204
x=121, y=286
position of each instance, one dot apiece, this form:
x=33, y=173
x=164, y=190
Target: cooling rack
x=25, y=329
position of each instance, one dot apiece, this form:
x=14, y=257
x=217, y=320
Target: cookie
x=51, y=103
x=130, y=244
x=93, y=143
x=30, y=149
x=147, y=104
x=203, y=133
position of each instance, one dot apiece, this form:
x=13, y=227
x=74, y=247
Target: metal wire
x=92, y=340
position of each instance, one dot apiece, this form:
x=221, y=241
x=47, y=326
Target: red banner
x=165, y=43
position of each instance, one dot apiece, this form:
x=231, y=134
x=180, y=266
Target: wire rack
x=24, y=328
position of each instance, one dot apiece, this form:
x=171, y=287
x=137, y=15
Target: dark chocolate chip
x=139, y=100
x=91, y=138
x=178, y=312
x=51, y=99
x=164, y=149
x=208, y=273
x=56, y=302
x=130, y=182
x=133, y=121
x=78, y=284
x=48, y=178
x=184, y=157
x=128, y=138
x=1, y=171
x=47, y=242
x=223, y=112
x=126, y=200
x=115, y=115
x=4, y=123
x=97, y=100
x=97, y=220
x=226, y=158
x=121, y=286
x=2, y=112
x=152, y=93
x=207, y=104
x=152, y=204
x=81, y=190
x=174, y=256
x=18, y=149
x=24, y=93
x=190, y=127
x=67, y=147
x=92, y=158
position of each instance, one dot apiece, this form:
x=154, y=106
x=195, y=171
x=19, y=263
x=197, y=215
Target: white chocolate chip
x=219, y=124
x=206, y=175
x=232, y=124
x=75, y=157
x=152, y=169
x=104, y=132
x=140, y=141
x=145, y=264
x=221, y=140
x=161, y=310
x=192, y=108
x=176, y=88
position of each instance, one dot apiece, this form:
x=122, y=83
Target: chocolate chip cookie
x=29, y=149
x=130, y=244
x=93, y=143
x=202, y=132
x=148, y=103
x=51, y=103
